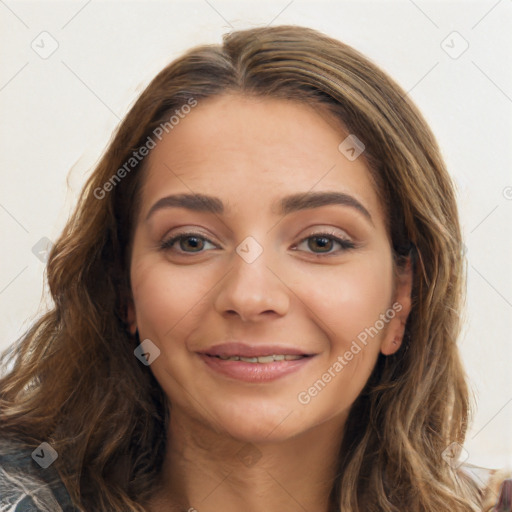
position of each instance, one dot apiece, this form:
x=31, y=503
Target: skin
x=251, y=152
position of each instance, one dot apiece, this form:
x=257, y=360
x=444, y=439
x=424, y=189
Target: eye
x=195, y=241
x=325, y=242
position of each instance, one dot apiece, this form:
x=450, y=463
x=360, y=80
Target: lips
x=254, y=363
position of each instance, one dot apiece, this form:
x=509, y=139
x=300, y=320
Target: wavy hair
x=75, y=382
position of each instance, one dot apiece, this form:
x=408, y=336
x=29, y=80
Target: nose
x=252, y=290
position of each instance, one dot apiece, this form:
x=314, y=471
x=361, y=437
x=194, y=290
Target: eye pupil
x=196, y=244
x=324, y=241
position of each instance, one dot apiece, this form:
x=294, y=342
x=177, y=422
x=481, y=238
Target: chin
x=266, y=423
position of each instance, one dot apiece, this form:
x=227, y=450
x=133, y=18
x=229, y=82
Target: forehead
x=251, y=150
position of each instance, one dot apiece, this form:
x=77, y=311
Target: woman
x=300, y=353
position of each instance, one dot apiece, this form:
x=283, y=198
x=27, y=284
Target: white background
x=57, y=115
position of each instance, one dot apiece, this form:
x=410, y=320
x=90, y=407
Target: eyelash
x=343, y=242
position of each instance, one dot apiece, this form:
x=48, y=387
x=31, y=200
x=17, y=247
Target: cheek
x=349, y=299
x=166, y=296
x=349, y=303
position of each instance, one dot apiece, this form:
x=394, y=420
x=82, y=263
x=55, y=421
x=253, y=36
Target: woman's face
x=259, y=270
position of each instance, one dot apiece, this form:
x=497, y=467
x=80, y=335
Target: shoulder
x=494, y=485
x=25, y=486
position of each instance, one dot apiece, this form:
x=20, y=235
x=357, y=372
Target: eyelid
x=328, y=230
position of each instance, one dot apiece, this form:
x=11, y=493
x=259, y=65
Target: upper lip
x=243, y=350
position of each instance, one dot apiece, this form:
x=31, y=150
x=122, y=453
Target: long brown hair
x=75, y=382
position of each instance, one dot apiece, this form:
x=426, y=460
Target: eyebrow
x=286, y=205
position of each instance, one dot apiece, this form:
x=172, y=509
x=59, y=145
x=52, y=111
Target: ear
x=131, y=317
x=402, y=307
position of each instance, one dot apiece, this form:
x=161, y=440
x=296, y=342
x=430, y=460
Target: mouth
x=261, y=359
x=256, y=363
x=255, y=353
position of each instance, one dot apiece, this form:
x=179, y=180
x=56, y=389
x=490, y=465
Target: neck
x=208, y=471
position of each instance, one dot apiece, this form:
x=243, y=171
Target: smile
x=255, y=369
x=262, y=359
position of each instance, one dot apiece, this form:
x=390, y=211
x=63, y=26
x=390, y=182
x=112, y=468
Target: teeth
x=292, y=358
x=265, y=359
x=249, y=359
x=262, y=359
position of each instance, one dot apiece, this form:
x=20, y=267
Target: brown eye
x=194, y=242
x=325, y=242
x=188, y=243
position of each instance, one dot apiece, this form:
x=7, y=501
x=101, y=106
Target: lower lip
x=254, y=372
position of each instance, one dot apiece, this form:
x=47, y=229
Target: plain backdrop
x=70, y=71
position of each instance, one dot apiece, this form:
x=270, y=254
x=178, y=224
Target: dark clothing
x=26, y=486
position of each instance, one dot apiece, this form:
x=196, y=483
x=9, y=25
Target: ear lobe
x=402, y=306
